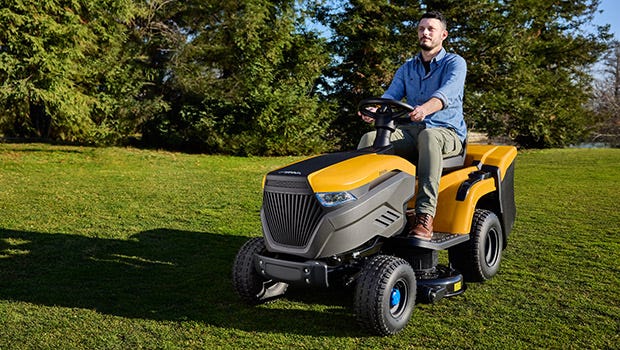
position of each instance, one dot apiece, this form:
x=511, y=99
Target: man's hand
x=418, y=114
x=422, y=111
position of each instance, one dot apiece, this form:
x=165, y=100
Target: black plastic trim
x=507, y=201
x=440, y=241
x=474, y=178
x=307, y=273
x=449, y=283
x=311, y=165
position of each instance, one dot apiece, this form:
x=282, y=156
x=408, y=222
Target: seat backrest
x=455, y=162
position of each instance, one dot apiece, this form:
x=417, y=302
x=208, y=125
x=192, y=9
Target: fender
x=455, y=216
x=460, y=191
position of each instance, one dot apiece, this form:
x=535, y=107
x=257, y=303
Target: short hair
x=436, y=15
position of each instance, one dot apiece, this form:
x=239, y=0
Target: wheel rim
x=398, y=298
x=491, y=247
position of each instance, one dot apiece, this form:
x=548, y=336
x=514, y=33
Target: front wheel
x=479, y=258
x=251, y=287
x=385, y=295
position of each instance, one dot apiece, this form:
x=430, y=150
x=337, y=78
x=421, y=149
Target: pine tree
x=370, y=40
x=528, y=66
x=62, y=68
x=528, y=61
x=243, y=81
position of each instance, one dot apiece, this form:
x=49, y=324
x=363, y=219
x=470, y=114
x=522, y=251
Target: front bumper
x=307, y=273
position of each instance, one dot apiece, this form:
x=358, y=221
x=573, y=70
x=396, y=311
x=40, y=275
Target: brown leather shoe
x=423, y=228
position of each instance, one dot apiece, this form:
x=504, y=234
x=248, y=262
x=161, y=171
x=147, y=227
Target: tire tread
x=371, y=286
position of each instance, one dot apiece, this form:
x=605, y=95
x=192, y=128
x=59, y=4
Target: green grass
x=113, y=248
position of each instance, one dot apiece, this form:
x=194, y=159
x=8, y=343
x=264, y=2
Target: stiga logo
x=289, y=172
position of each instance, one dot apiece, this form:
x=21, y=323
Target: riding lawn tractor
x=342, y=220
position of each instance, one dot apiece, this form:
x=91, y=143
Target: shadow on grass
x=160, y=274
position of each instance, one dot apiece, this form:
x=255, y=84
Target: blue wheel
x=385, y=295
x=399, y=298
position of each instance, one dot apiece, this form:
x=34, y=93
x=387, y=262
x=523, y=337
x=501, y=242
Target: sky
x=610, y=15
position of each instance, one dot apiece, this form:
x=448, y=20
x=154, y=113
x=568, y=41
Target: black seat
x=455, y=162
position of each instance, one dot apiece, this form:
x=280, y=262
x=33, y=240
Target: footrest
x=440, y=241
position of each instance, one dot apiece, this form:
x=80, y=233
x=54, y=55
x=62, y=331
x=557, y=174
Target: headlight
x=331, y=199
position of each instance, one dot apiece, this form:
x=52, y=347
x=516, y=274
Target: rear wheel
x=385, y=295
x=479, y=258
x=251, y=287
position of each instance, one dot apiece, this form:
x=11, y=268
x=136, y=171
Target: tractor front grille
x=291, y=217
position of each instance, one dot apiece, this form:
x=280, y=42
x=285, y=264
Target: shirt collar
x=437, y=58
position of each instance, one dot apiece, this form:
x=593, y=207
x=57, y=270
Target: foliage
x=527, y=66
x=370, y=40
x=65, y=72
x=255, y=77
x=606, y=101
x=243, y=81
x=136, y=253
x=527, y=60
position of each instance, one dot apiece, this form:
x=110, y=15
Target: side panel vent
x=386, y=219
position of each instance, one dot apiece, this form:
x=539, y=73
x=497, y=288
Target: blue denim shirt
x=445, y=81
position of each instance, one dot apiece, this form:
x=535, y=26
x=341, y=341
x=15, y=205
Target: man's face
x=431, y=33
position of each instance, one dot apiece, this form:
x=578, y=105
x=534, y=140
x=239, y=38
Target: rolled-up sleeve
x=451, y=90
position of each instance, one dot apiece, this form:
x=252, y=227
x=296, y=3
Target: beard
x=426, y=45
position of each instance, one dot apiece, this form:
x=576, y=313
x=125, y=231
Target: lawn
x=119, y=248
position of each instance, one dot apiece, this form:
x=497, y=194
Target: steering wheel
x=383, y=107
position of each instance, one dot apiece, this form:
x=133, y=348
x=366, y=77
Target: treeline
x=281, y=77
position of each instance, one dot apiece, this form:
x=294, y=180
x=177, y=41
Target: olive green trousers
x=426, y=148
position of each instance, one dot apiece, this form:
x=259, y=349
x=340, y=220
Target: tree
x=242, y=81
x=606, y=101
x=63, y=68
x=527, y=61
x=527, y=66
x=251, y=77
x=370, y=40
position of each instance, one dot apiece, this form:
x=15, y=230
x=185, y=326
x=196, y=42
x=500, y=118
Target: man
x=433, y=82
